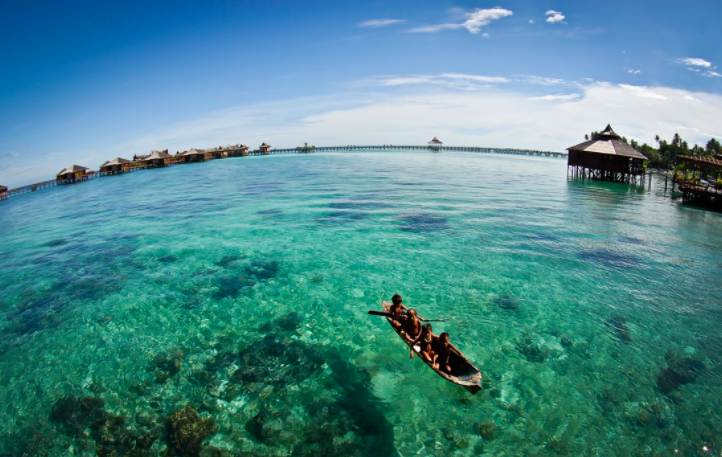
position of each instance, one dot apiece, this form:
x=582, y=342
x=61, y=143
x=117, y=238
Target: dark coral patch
x=232, y=286
x=187, y=431
x=609, y=258
x=423, y=222
x=679, y=372
x=286, y=323
x=263, y=269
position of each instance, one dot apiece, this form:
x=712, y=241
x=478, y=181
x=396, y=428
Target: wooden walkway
x=347, y=148
x=390, y=147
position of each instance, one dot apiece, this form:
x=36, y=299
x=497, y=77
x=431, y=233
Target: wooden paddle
x=381, y=313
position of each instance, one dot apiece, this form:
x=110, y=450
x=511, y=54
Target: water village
x=606, y=157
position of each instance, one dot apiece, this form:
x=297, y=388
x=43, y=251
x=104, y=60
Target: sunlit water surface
x=241, y=286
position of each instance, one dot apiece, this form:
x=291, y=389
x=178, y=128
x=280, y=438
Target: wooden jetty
x=607, y=158
x=163, y=158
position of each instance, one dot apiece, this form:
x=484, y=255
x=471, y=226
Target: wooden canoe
x=463, y=372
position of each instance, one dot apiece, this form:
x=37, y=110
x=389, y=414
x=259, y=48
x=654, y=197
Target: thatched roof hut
x=606, y=157
x=159, y=158
x=117, y=165
x=72, y=173
x=3, y=192
x=194, y=155
x=435, y=144
x=265, y=148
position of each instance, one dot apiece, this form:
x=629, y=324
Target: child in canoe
x=442, y=353
x=425, y=342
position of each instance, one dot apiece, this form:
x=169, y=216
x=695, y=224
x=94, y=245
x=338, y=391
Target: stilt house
x=606, y=158
x=194, y=155
x=159, y=159
x=3, y=192
x=265, y=148
x=435, y=144
x=73, y=174
x=116, y=166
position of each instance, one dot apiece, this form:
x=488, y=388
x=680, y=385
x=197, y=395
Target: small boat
x=463, y=372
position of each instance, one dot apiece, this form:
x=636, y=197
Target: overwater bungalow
x=194, y=155
x=159, y=159
x=701, y=179
x=73, y=174
x=241, y=151
x=265, y=148
x=435, y=144
x=3, y=192
x=116, y=166
x=606, y=158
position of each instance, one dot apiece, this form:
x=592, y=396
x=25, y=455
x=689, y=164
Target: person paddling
x=397, y=309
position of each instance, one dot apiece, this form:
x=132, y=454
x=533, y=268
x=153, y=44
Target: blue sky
x=83, y=82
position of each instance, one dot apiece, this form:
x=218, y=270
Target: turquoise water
x=240, y=287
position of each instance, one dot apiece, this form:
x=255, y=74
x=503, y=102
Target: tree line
x=665, y=154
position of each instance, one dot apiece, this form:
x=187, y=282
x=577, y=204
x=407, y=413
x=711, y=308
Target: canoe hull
x=467, y=375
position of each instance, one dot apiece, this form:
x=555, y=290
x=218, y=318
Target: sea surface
x=220, y=308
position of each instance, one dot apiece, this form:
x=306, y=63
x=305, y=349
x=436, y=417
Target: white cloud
x=474, y=22
x=557, y=97
x=642, y=92
x=531, y=21
x=555, y=16
x=449, y=80
x=711, y=74
x=634, y=72
x=381, y=22
x=694, y=62
x=541, y=80
x=485, y=35
x=508, y=116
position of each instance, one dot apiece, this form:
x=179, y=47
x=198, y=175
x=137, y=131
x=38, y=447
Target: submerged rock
x=75, y=413
x=167, y=364
x=531, y=350
x=486, y=429
x=619, y=325
x=679, y=372
x=278, y=361
x=287, y=323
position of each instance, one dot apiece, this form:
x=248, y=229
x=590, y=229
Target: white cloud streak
x=557, y=97
x=555, y=16
x=694, y=62
x=634, y=72
x=449, y=80
x=711, y=74
x=375, y=23
x=474, y=22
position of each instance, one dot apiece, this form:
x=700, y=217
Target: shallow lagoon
x=241, y=287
